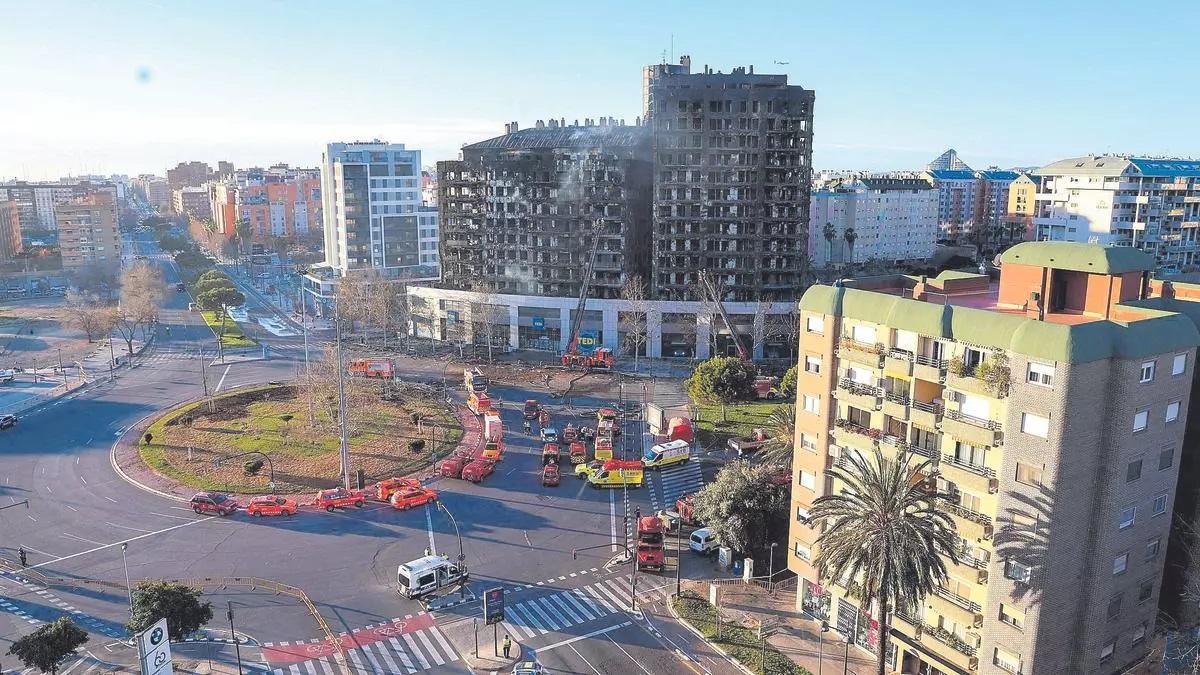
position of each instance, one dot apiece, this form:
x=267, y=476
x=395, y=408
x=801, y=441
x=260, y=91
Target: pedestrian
x=426, y=550
x=21, y=554
x=507, y=645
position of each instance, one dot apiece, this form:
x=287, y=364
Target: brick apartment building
x=87, y=232
x=1053, y=408
x=10, y=230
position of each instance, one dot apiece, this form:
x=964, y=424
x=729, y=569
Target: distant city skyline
x=137, y=87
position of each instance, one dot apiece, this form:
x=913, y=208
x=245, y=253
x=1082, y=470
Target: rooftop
x=565, y=137
x=1116, y=165
x=1079, y=257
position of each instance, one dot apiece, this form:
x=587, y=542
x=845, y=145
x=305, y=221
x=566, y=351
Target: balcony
x=859, y=395
x=973, y=477
x=901, y=445
x=971, y=524
x=861, y=352
x=972, y=382
x=974, y=430
x=926, y=414
x=962, y=610
x=898, y=361
x=895, y=404
x=929, y=369
x=949, y=639
x=849, y=433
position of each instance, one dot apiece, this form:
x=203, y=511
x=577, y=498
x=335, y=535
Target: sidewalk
x=798, y=637
x=24, y=393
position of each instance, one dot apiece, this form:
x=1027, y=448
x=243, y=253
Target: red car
x=338, y=498
x=387, y=487
x=478, y=470
x=409, y=497
x=271, y=505
x=213, y=502
x=551, y=475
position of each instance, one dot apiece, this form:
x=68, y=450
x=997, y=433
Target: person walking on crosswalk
x=507, y=645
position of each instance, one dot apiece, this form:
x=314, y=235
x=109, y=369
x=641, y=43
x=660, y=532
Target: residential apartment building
x=37, y=203
x=10, y=230
x=732, y=169
x=1051, y=406
x=280, y=201
x=155, y=190
x=521, y=213
x=372, y=213
x=958, y=197
x=1017, y=223
x=893, y=219
x=991, y=198
x=87, y=232
x=188, y=174
x=1146, y=203
x=192, y=201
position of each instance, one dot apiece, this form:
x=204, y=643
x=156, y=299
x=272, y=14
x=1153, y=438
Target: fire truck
x=474, y=381
x=600, y=358
x=479, y=403
x=373, y=368
x=650, y=554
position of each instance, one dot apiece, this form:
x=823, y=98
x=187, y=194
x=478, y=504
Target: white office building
x=1151, y=204
x=893, y=219
x=372, y=212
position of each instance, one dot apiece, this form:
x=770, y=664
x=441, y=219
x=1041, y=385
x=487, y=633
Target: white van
x=425, y=575
x=666, y=454
x=703, y=541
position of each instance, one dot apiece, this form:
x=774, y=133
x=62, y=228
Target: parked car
x=407, y=498
x=338, y=498
x=213, y=502
x=551, y=475
x=8, y=421
x=271, y=505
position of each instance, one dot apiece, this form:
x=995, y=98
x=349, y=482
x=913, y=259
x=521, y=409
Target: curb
x=683, y=622
x=112, y=460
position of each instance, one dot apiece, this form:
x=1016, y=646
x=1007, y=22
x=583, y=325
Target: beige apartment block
x=87, y=231
x=1052, y=406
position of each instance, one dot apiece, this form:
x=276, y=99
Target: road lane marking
x=30, y=548
x=167, y=515
x=222, y=378
x=124, y=541
x=589, y=664
x=83, y=479
x=609, y=638
x=612, y=519
x=48, y=489
x=577, y=638
x=86, y=541
x=126, y=527
x=110, y=499
x=71, y=507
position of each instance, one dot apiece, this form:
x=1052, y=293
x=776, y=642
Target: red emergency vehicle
x=339, y=498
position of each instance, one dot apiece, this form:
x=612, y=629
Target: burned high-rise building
x=732, y=165
x=520, y=212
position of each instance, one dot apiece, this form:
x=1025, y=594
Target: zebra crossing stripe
x=528, y=618
x=568, y=600
x=450, y=653
x=535, y=606
x=588, y=602
x=557, y=600
x=353, y=653
x=387, y=658
x=600, y=599
x=432, y=650
x=367, y=652
x=615, y=596
x=325, y=667
x=412, y=645
x=399, y=649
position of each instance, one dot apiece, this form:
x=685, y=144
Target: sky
x=135, y=87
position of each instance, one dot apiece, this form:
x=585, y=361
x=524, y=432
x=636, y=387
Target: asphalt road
x=83, y=521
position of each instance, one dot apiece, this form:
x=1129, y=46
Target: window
x=1172, y=411
x=812, y=404
x=1006, y=660
x=1166, y=458
x=808, y=442
x=1145, y=590
x=864, y=334
x=1114, y=607
x=1139, y=633
x=815, y=324
x=1040, y=373
x=803, y=552
x=1029, y=474
x=1140, y=418
x=1120, y=564
x=1012, y=616
x=812, y=364
x=1035, y=425
x=1152, y=547
x=1017, y=571
x=1128, y=516
x=1133, y=471
x=1147, y=371
x=1160, y=505
x=801, y=514
x=1179, y=364
x=1107, y=650
x=1024, y=521
x=808, y=480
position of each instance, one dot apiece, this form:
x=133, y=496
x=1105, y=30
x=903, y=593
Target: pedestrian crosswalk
x=384, y=649
x=558, y=611
x=672, y=483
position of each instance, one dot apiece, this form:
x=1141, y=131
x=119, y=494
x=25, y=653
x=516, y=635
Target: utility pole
x=341, y=380
x=312, y=413
x=237, y=645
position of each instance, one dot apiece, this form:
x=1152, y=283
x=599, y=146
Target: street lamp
x=237, y=645
x=128, y=586
x=771, y=565
x=462, y=557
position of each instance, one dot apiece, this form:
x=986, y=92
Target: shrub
x=416, y=445
x=253, y=467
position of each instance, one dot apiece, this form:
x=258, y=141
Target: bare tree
x=785, y=326
x=486, y=314
x=633, y=321
x=89, y=315
x=99, y=280
x=320, y=390
x=142, y=292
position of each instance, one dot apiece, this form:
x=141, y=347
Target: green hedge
x=740, y=643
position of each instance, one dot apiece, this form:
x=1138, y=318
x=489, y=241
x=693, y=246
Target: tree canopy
x=180, y=604
x=47, y=647
x=740, y=505
x=722, y=380
x=787, y=386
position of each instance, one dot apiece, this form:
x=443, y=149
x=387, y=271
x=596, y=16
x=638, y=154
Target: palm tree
x=781, y=435
x=850, y=235
x=885, y=531
x=830, y=233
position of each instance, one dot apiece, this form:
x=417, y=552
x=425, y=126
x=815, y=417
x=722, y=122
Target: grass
x=305, y=457
x=233, y=336
x=742, y=418
x=740, y=643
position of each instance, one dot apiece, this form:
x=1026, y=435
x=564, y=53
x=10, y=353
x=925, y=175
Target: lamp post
x=343, y=446
x=462, y=557
x=128, y=586
x=771, y=567
x=678, y=556
x=237, y=645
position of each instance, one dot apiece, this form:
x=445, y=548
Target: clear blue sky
x=136, y=86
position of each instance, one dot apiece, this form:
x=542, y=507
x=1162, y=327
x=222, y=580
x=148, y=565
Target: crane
x=601, y=357
x=711, y=290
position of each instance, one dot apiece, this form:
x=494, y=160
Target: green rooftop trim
x=1161, y=332
x=1079, y=257
x=946, y=275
